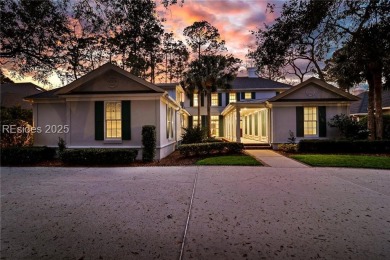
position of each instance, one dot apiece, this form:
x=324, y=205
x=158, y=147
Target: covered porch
x=247, y=122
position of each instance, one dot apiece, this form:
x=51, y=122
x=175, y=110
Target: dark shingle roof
x=46, y=94
x=257, y=83
x=12, y=94
x=361, y=106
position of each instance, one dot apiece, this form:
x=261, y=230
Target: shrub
x=61, y=145
x=148, y=143
x=386, y=125
x=194, y=135
x=292, y=138
x=343, y=146
x=210, y=148
x=15, y=133
x=26, y=155
x=17, y=113
x=349, y=128
x=96, y=156
x=288, y=148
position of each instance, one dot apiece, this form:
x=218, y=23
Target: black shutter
x=219, y=99
x=299, y=121
x=220, y=125
x=190, y=121
x=253, y=95
x=227, y=98
x=202, y=99
x=322, y=121
x=99, y=120
x=204, y=120
x=191, y=97
x=238, y=96
x=126, y=120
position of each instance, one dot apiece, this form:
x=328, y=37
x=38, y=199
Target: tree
x=4, y=79
x=203, y=38
x=333, y=24
x=29, y=39
x=214, y=72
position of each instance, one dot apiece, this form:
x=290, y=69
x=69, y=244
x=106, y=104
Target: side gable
x=313, y=90
x=109, y=79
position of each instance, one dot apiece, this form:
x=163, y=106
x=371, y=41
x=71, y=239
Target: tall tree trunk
x=377, y=78
x=371, y=101
x=209, y=113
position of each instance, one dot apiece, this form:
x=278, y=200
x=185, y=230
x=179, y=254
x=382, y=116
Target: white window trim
x=317, y=124
x=107, y=139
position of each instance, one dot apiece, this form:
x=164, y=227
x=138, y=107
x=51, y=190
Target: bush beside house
x=148, y=143
x=97, y=156
x=26, y=155
x=210, y=148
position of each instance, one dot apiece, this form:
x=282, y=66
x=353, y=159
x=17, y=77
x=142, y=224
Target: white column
x=238, y=132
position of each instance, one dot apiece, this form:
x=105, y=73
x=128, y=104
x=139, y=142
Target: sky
x=235, y=19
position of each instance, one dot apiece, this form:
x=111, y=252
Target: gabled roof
x=54, y=94
x=361, y=106
x=12, y=94
x=99, y=71
x=319, y=83
x=242, y=83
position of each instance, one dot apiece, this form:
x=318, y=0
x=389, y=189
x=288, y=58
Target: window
x=248, y=95
x=170, y=122
x=310, y=121
x=195, y=121
x=232, y=97
x=215, y=125
x=196, y=101
x=113, y=126
x=214, y=99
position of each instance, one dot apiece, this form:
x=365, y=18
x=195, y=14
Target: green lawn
x=339, y=160
x=239, y=160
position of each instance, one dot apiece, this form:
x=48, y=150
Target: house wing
x=109, y=79
x=313, y=89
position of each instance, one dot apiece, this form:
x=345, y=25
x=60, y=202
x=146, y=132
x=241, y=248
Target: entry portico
x=247, y=121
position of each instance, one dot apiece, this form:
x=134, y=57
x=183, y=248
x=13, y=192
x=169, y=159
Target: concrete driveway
x=237, y=213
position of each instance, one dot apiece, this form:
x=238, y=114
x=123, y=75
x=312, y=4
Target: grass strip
x=230, y=160
x=341, y=160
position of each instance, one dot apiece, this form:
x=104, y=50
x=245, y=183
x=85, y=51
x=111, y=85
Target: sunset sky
x=235, y=19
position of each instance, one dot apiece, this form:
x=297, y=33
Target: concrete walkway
x=274, y=159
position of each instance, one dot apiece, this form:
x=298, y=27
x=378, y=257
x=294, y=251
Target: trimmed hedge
x=96, y=156
x=26, y=155
x=344, y=146
x=148, y=143
x=210, y=148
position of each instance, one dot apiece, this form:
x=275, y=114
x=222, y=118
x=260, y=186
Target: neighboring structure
x=108, y=107
x=12, y=94
x=360, y=109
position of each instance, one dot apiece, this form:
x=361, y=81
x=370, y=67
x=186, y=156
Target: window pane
x=195, y=99
x=113, y=120
x=310, y=121
x=214, y=99
x=232, y=97
x=248, y=95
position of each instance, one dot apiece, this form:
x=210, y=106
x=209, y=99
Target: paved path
x=274, y=159
x=237, y=213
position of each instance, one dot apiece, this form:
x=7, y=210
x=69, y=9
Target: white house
x=108, y=107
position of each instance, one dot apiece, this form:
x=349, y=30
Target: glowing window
x=113, y=120
x=232, y=97
x=310, y=121
x=214, y=99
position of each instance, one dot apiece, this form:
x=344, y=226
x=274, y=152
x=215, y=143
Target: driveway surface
x=236, y=213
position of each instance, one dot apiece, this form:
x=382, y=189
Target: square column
x=238, y=119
